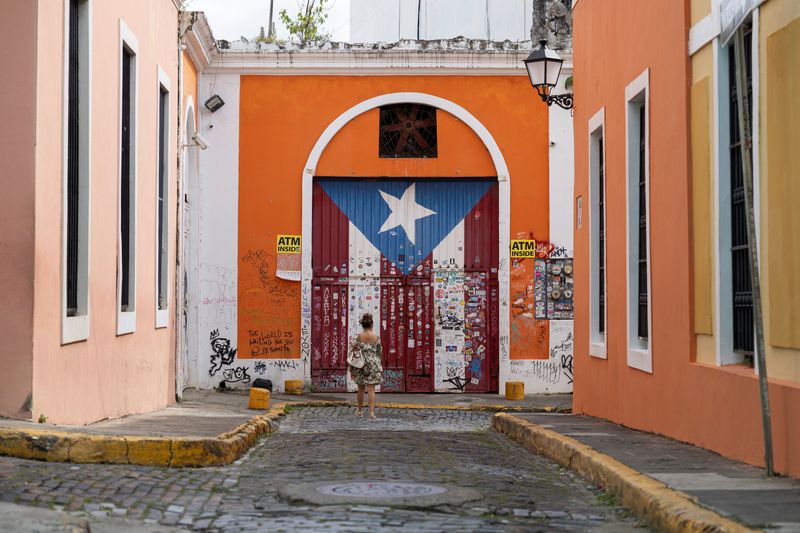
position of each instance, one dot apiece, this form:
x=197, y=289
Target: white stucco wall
x=218, y=222
x=562, y=176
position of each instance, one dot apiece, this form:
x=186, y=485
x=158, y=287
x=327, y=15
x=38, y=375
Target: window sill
x=162, y=318
x=640, y=359
x=598, y=349
x=74, y=329
x=126, y=322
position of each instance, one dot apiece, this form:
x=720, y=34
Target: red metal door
x=392, y=330
x=360, y=266
x=329, y=338
x=420, y=335
x=493, y=349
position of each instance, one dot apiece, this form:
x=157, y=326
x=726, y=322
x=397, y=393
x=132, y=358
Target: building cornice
x=443, y=57
x=394, y=62
x=197, y=37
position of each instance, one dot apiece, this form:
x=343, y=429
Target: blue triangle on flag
x=405, y=219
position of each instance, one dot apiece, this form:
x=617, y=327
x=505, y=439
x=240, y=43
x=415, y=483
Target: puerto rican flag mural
x=422, y=257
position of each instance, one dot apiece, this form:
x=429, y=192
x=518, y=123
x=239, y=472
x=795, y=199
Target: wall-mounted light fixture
x=214, y=103
x=544, y=68
x=200, y=141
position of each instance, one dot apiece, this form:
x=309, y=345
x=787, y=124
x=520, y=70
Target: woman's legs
x=360, y=399
x=371, y=392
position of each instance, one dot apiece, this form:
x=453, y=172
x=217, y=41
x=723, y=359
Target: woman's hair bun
x=366, y=320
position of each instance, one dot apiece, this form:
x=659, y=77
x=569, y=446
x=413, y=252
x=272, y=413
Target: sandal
x=373, y=417
x=359, y=414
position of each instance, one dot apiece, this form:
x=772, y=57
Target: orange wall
x=189, y=86
x=107, y=375
x=281, y=119
x=17, y=180
x=716, y=408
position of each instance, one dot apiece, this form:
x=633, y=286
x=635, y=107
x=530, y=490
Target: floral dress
x=372, y=371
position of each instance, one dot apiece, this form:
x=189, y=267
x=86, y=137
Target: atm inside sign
x=523, y=248
x=289, y=244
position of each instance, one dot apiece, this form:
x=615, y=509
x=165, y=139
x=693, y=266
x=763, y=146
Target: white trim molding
x=705, y=31
x=504, y=208
x=597, y=339
x=163, y=84
x=723, y=268
x=637, y=95
x=76, y=328
x=126, y=319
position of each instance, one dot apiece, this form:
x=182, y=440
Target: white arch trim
x=189, y=117
x=504, y=207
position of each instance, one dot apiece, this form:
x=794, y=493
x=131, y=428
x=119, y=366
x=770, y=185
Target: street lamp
x=544, y=67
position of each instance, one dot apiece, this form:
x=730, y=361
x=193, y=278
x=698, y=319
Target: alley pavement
x=496, y=484
x=733, y=489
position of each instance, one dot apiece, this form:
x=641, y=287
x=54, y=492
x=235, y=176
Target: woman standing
x=371, y=373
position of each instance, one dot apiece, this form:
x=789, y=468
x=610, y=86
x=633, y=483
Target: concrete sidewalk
x=731, y=489
x=211, y=428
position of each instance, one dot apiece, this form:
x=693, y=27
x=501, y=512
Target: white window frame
x=637, y=93
x=76, y=328
x=162, y=315
x=126, y=320
x=723, y=316
x=597, y=340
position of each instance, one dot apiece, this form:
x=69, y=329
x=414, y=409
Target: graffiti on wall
x=222, y=354
x=541, y=290
x=217, y=304
x=236, y=375
x=266, y=318
x=562, y=345
x=270, y=343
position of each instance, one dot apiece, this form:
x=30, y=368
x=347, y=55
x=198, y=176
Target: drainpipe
x=745, y=128
x=179, y=296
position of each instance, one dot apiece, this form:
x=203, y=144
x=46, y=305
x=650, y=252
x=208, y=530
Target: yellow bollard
x=259, y=399
x=515, y=390
x=293, y=386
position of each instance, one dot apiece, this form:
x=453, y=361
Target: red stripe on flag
x=330, y=236
x=481, y=234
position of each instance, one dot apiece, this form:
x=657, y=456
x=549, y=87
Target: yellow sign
x=523, y=248
x=289, y=244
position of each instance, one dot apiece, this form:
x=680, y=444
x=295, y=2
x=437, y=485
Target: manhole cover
x=381, y=489
x=378, y=492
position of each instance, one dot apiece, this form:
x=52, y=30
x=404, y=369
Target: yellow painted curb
x=654, y=502
x=76, y=447
x=492, y=408
x=61, y=446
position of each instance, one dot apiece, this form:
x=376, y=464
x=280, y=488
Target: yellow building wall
x=701, y=118
x=779, y=78
x=700, y=8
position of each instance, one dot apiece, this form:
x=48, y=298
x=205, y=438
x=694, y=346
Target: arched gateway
x=428, y=257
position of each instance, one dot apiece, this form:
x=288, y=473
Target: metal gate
x=422, y=258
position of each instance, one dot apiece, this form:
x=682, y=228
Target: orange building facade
x=299, y=133
x=656, y=342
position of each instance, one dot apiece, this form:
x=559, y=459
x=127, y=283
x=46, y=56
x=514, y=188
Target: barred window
x=407, y=130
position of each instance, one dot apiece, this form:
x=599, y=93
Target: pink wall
x=17, y=138
x=108, y=375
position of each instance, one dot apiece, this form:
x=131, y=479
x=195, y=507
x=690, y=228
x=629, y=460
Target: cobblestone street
x=451, y=449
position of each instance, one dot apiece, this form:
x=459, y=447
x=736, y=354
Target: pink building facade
x=87, y=248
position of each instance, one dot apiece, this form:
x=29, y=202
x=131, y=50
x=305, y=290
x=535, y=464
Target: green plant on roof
x=306, y=27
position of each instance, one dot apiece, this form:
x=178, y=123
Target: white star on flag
x=405, y=212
